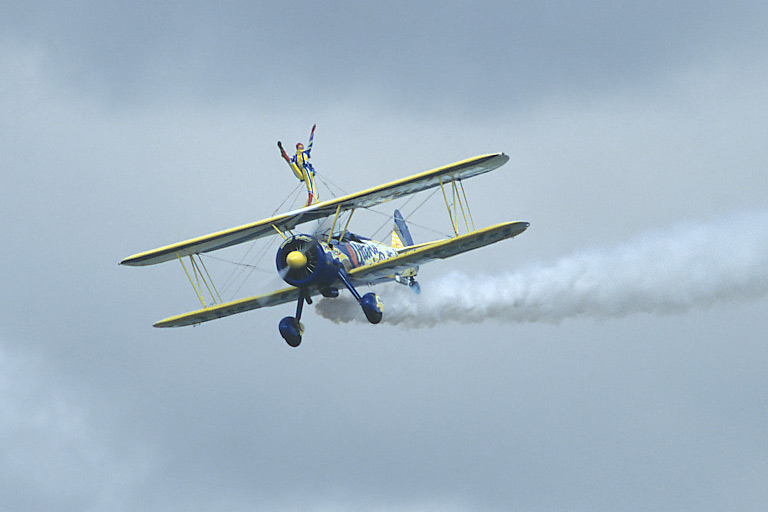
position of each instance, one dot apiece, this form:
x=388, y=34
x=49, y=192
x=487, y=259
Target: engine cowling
x=302, y=262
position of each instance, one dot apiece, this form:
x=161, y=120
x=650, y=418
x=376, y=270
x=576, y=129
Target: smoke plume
x=689, y=266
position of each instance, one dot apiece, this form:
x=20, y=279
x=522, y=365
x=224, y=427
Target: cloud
x=483, y=54
x=55, y=455
x=690, y=266
x=129, y=126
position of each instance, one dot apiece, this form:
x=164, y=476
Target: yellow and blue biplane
x=321, y=264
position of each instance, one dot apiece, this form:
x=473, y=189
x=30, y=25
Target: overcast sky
x=629, y=126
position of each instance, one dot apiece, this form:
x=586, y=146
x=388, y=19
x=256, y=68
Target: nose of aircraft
x=296, y=260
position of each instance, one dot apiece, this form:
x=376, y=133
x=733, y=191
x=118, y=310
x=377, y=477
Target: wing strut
x=341, y=236
x=464, y=193
x=279, y=232
x=333, y=226
x=197, y=269
x=456, y=198
x=453, y=223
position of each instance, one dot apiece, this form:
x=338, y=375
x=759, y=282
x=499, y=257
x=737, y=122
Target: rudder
x=401, y=235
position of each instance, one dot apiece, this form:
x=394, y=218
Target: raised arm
x=311, y=137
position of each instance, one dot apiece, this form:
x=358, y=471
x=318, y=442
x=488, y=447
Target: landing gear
x=370, y=302
x=291, y=330
x=291, y=327
x=410, y=282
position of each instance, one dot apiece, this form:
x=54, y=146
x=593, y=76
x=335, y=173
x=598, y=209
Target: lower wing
x=388, y=268
x=231, y=308
x=441, y=249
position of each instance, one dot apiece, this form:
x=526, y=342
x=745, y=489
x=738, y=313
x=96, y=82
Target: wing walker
x=302, y=169
x=322, y=264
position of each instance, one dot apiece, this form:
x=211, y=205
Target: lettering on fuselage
x=361, y=254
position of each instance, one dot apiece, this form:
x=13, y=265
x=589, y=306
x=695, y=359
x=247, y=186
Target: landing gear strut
x=370, y=302
x=291, y=327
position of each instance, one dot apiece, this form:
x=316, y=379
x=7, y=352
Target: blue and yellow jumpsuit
x=301, y=166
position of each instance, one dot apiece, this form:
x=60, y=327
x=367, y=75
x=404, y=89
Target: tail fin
x=401, y=236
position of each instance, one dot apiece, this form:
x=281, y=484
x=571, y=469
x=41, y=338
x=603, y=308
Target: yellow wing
x=365, y=199
x=441, y=249
x=231, y=308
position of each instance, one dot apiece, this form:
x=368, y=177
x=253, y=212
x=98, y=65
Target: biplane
x=323, y=263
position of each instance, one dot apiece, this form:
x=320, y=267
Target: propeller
x=300, y=258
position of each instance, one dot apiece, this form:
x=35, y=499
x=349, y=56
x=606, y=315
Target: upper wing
x=365, y=199
x=441, y=249
x=231, y=308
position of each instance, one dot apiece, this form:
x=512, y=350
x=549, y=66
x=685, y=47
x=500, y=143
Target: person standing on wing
x=301, y=166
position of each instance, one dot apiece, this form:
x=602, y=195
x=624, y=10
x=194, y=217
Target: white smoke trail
x=690, y=266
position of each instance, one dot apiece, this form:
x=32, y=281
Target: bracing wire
x=326, y=183
x=407, y=217
x=241, y=271
x=238, y=263
x=389, y=218
x=292, y=193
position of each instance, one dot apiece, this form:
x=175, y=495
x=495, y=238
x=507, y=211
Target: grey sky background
x=130, y=126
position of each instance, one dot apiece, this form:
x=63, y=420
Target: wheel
x=372, y=306
x=290, y=330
